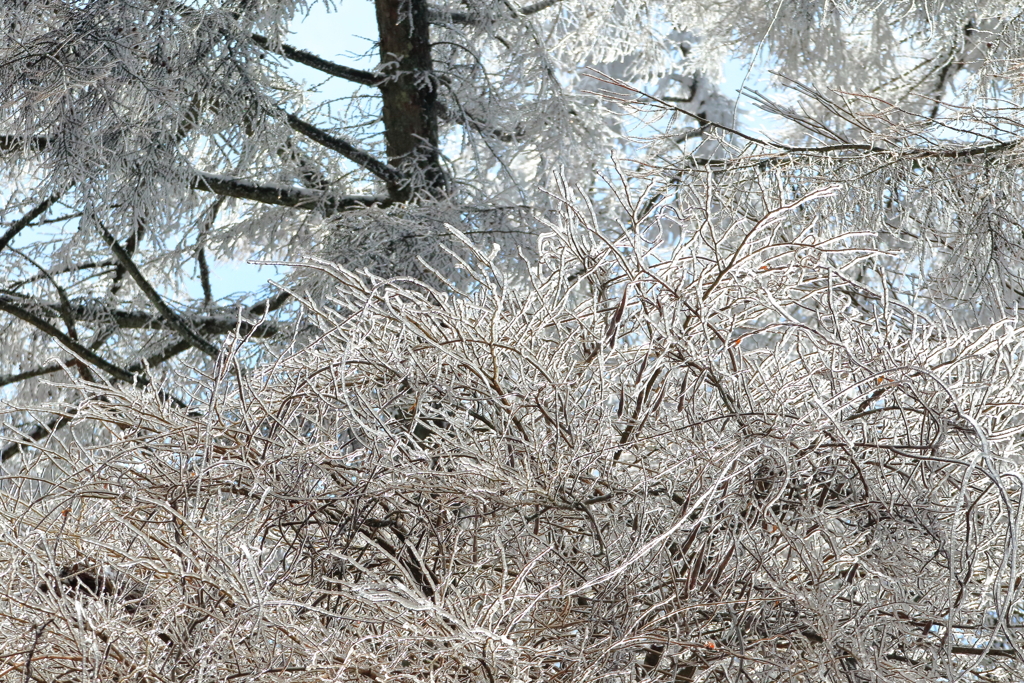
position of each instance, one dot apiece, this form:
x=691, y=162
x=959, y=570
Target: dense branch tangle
x=489, y=495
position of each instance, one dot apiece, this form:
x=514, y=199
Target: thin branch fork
x=172, y=318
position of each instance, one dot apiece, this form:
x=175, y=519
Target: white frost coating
x=640, y=396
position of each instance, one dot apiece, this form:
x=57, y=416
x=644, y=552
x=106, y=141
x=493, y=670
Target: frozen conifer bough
x=573, y=375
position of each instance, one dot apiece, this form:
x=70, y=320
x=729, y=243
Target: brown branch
x=284, y=195
x=117, y=282
x=270, y=305
x=29, y=374
x=65, y=308
x=68, y=269
x=388, y=174
x=440, y=16
x=913, y=153
x=26, y=220
x=219, y=321
x=204, y=268
x=319, y=63
x=172, y=318
x=204, y=277
x=989, y=651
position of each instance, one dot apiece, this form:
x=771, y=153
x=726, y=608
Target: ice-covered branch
x=443, y=16
x=284, y=195
x=16, y=308
x=378, y=168
x=26, y=220
x=320, y=64
x=168, y=314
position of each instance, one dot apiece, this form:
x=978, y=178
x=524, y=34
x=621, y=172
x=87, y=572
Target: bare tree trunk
x=409, y=94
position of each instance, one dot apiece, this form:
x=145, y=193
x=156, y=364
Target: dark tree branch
x=117, y=282
x=270, y=305
x=68, y=269
x=990, y=651
x=204, y=268
x=204, y=276
x=284, y=195
x=26, y=220
x=212, y=325
x=16, y=143
x=83, y=353
x=29, y=374
x=915, y=154
x=378, y=168
x=154, y=297
x=221, y=321
x=440, y=16
x=301, y=56
x=319, y=63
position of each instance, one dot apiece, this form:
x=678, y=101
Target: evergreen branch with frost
x=319, y=63
x=284, y=195
x=383, y=171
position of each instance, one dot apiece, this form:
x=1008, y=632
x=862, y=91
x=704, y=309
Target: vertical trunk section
x=410, y=99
